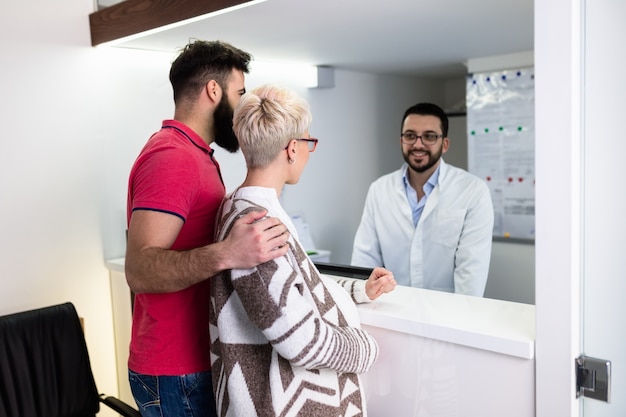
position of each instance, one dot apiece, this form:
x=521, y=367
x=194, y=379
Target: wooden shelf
x=131, y=17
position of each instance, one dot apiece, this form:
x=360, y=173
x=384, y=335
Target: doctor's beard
x=431, y=160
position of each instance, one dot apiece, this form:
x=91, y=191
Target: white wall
x=512, y=272
x=73, y=117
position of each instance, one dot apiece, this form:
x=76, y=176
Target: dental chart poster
x=501, y=146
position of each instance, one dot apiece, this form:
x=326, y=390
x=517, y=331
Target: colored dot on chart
x=520, y=128
x=473, y=132
x=500, y=128
x=520, y=179
x=510, y=179
x=488, y=178
x=507, y=234
x=486, y=130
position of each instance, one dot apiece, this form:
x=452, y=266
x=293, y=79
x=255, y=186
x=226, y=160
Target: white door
x=580, y=65
x=604, y=203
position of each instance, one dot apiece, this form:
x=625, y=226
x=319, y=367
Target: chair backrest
x=44, y=365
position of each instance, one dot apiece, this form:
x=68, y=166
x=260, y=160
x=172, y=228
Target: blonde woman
x=286, y=341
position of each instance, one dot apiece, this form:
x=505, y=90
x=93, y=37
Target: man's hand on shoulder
x=255, y=239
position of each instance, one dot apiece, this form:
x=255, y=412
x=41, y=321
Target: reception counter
x=446, y=355
x=441, y=354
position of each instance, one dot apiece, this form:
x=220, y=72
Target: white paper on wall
x=501, y=145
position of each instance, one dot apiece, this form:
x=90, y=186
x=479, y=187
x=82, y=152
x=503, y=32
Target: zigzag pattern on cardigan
x=281, y=343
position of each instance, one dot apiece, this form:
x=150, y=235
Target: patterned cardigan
x=285, y=340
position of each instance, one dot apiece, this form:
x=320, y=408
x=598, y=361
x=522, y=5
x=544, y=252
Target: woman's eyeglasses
x=311, y=143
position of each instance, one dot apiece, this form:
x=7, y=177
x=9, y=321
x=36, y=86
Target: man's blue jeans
x=188, y=395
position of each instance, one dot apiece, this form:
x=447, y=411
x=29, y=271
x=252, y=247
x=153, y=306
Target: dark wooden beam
x=135, y=16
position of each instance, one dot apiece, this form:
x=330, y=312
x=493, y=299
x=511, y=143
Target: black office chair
x=45, y=369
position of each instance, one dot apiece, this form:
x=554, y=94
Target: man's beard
x=223, y=122
x=433, y=158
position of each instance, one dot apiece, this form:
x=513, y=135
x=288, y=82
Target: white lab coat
x=450, y=248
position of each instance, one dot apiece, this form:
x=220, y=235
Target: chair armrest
x=120, y=406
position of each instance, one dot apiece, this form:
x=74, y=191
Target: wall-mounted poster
x=501, y=146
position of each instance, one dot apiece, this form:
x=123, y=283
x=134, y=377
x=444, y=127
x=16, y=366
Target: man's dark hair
x=202, y=61
x=428, y=109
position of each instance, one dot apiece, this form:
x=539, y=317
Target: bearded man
x=174, y=193
x=429, y=222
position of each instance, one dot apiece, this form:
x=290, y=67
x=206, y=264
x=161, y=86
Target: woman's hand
x=380, y=281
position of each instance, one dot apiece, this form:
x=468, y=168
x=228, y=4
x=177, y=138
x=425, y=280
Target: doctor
x=429, y=222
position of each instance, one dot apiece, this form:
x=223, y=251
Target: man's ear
x=445, y=145
x=213, y=91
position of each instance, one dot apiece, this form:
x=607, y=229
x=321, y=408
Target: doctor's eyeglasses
x=428, y=138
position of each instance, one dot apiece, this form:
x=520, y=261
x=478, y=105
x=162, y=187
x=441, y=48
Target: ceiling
x=429, y=38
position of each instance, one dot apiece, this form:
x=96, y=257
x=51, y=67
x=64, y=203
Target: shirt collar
x=430, y=184
x=189, y=134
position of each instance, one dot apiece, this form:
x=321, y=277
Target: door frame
x=558, y=115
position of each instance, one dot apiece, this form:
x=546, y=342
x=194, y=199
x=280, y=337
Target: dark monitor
x=344, y=270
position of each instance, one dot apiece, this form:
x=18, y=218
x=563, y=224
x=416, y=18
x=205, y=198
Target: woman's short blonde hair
x=266, y=119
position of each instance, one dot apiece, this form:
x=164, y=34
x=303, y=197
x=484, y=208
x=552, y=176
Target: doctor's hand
x=380, y=281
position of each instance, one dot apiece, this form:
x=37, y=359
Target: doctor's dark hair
x=428, y=109
x=202, y=61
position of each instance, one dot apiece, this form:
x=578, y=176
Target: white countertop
x=493, y=325
x=116, y=265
